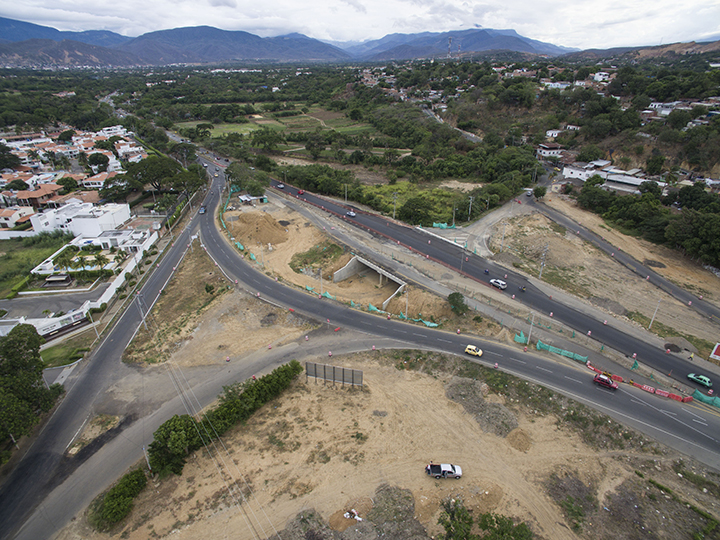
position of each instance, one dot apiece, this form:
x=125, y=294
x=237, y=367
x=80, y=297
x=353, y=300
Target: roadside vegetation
x=20, y=255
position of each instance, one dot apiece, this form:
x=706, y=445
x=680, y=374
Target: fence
x=334, y=374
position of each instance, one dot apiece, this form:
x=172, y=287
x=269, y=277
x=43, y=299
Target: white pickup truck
x=443, y=470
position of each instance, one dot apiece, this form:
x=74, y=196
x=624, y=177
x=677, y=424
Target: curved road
x=46, y=489
x=473, y=266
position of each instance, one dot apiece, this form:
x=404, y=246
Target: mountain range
x=24, y=44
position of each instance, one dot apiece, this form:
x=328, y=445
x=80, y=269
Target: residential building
x=9, y=217
x=549, y=150
x=82, y=219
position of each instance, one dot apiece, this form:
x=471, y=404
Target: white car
x=281, y=186
x=350, y=214
x=499, y=283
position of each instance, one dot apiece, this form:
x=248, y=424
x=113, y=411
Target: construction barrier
x=699, y=396
x=521, y=338
x=574, y=356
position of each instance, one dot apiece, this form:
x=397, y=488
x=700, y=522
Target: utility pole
x=89, y=314
x=142, y=315
x=321, y=289
x=453, y=215
x=488, y=204
x=532, y=323
x=542, y=264
x=395, y=194
x=653, y=317
x=407, y=295
x=470, y=208
x=502, y=242
x=345, y=193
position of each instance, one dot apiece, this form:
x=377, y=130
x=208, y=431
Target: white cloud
x=581, y=23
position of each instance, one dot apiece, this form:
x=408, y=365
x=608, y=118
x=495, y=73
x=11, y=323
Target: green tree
x=64, y=259
x=17, y=185
x=116, y=189
x=266, y=138
x=23, y=395
x=8, y=160
x=172, y=442
x=539, y=191
x=456, y=520
x=417, y=211
x=457, y=303
x=66, y=136
x=654, y=164
x=99, y=160
x=315, y=144
x=69, y=184
x=100, y=260
x=154, y=171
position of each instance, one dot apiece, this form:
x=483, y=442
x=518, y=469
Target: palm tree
x=100, y=260
x=81, y=261
x=63, y=259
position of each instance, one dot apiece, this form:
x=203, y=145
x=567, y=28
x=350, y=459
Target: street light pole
x=92, y=323
x=395, y=194
x=653, y=317
x=470, y=208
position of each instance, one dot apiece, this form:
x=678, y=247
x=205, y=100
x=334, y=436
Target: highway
x=47, y=489
x=473, y=266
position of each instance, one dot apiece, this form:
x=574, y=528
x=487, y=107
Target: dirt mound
x=492, y=417
x=519, y=440
x=254, y=227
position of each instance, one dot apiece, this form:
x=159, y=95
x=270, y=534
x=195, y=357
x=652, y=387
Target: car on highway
x=202, y=210
x=700, y=379
x=473, y=350
x=301, y=192
x=281, y=186
x=499, y=283
x=603, y=380
x=216, y=175
x=350, y=213
x=528, y=193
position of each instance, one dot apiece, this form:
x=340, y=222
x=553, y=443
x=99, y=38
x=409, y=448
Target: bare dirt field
x=578, y=267
x=320, y=451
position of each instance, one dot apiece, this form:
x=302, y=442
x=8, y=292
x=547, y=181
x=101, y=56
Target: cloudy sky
x=572, y=23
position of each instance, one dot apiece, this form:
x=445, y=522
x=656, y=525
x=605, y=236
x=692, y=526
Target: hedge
x=180, y=435
x=118, y=502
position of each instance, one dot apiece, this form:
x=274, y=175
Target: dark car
x=603, y=380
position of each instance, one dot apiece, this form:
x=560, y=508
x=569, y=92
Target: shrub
x=118, y=502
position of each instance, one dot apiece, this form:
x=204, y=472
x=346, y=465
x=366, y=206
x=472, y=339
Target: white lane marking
x=522, y=362
x=401, y=331
x=699, y=422
x=639, y=402
x=571, y=379
x=419, y=335
x=543, y=369
x=668, y=412
x=696, y=415
x=493, y=353
x=445, y=340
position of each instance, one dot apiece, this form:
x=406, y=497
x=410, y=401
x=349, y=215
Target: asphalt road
x=459, y=259
x=46, y=489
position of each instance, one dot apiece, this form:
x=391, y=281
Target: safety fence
x=353, y=377
x=710, y=400
x=574, y=356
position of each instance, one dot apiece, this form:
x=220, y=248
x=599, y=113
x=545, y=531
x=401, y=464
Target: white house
x=10, y=216
x=549, y=150
x=82, y=219
x=552, y=133
x=601, y=76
